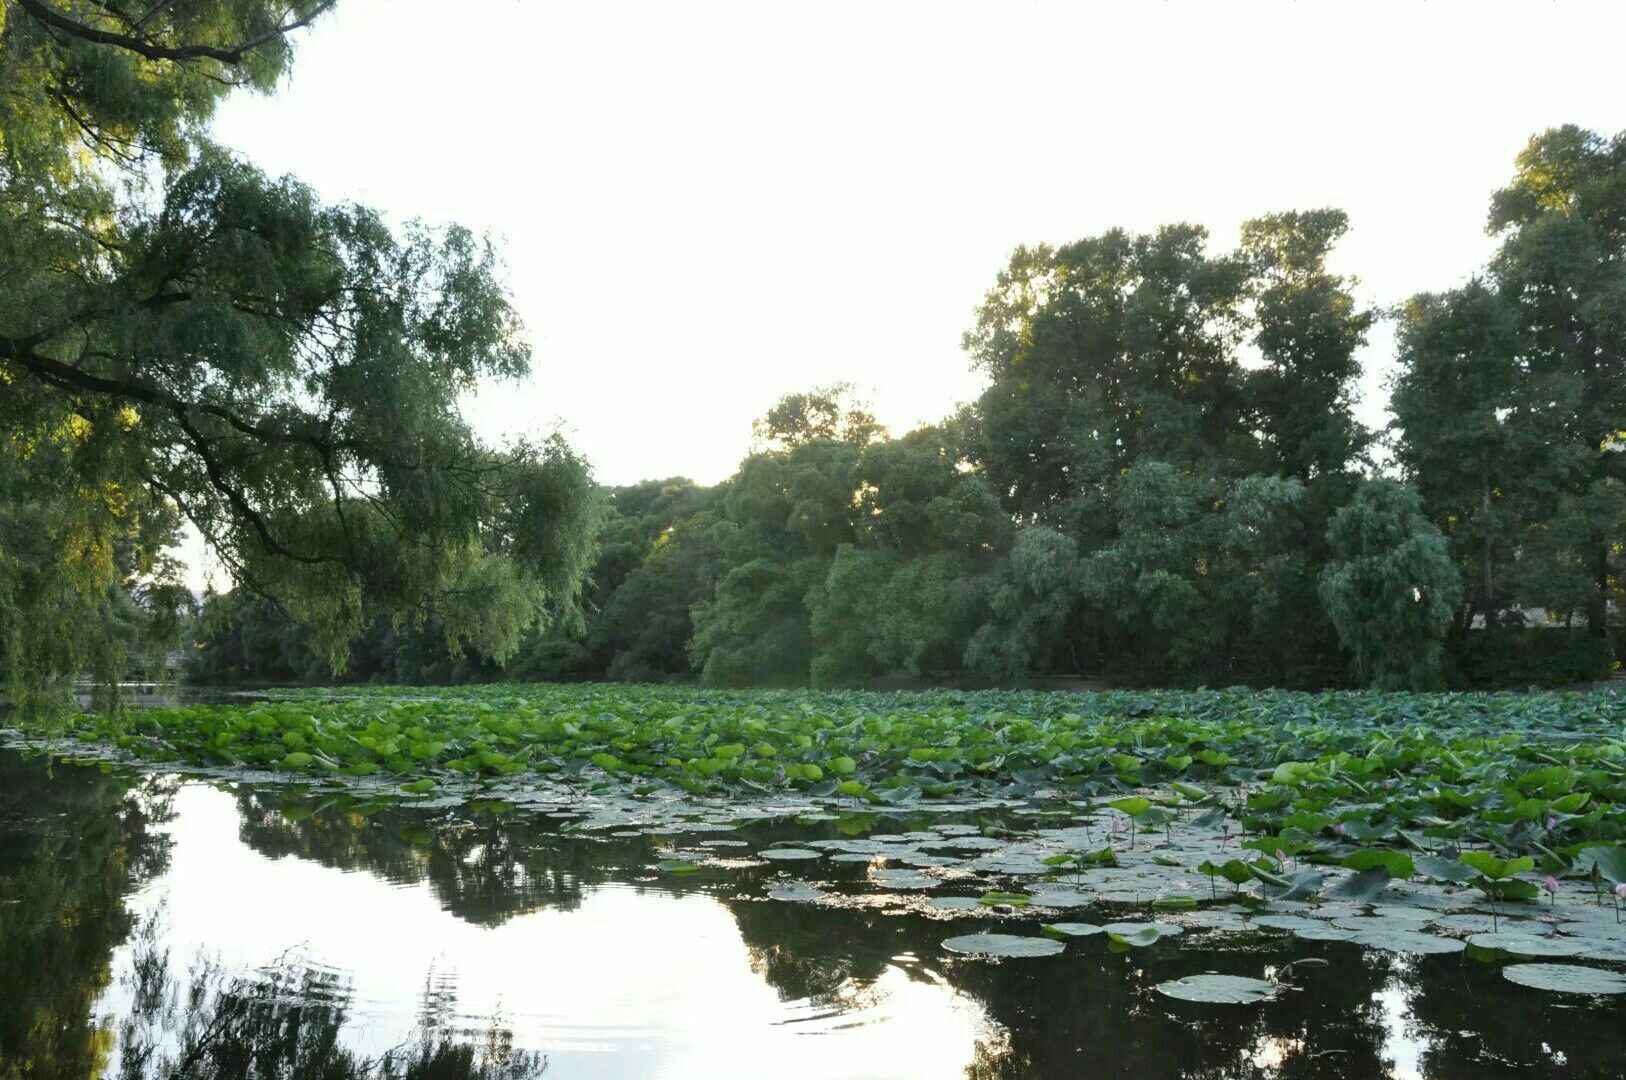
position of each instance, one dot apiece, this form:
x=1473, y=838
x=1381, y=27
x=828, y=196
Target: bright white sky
x=704, y=205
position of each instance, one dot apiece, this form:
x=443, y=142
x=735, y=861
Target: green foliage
x=181, y=334
x=1391, y=589
x=1370, y=772
x=1162, y=482
x=1511, y=392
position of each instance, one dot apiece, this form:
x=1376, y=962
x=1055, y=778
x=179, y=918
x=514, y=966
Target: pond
x=155, y=923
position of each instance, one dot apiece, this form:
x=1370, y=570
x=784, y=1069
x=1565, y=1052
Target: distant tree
x=755, y=629
x=830, y=413
x=1104, y=352
x=1472, y=439
x=843, y=608
x=1510, y=400
x=1391, y=588
x=1307, y=327
x=1196, y=571
x=648, y=622
x=907, y=593
x=1032, y=595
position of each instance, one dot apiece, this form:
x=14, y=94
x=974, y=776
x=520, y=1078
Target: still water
x=154, y=925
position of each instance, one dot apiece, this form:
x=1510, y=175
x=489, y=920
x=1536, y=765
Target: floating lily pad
x=955, y=903
x=1520, y=944
x=1214, y=920
x=1164, y=928
x=963, y=843
x=1473, y=922
x=788, y=854
x=1324, y=932
x=1566, y=978
x=1407, y=941
x=1287, y=922
x=1140, y=935
x=1003, y=945
x=796, y=892
x=1073, y=929
x=902, y=879
x=1366, y=885
x=1218, y=989
x=1402, y=912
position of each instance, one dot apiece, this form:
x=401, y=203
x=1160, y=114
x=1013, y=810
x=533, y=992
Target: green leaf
x=1610, y=862
x=1566, y=978
x=1494, y=867
x=1218, y=989
x=677, y=866
x=1398, y=863
x=1363, y=887
x=1133, y=805
x=1003, y=945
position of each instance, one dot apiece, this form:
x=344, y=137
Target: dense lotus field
x=1424, y=823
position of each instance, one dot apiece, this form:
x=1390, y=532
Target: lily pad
x=1364, y=886
x=1002, y=945
x=1408, y=941
x=1473, y=922
x=796, y=892
x=1287, y=922
x=1073, y=929
x=903, y=879
x=1218, y=989
x=955, y=903
x=1566, y=978
x=787, y=854
x=677, y=866
x=1520, y=944
x=1324, y=933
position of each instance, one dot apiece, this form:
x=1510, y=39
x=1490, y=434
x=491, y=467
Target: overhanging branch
x=54, y=17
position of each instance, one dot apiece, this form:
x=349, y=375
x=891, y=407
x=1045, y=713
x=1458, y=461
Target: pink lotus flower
x=1338, y=828
x=1551, y=885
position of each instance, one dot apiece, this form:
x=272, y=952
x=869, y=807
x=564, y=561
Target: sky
x=704, y=205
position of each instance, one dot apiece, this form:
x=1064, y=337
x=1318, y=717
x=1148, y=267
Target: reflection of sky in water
x=664, y=979
x=1402, y=1045
x=684, y=976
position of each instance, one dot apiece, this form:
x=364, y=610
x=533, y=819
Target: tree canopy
x=1164, y=479
x=185, y=337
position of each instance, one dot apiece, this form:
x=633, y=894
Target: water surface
x=151, y=923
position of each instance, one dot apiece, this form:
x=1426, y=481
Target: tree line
x=1164, y=482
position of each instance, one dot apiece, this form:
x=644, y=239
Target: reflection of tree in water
x=1481, y=1023
x=1089, y=1010
x=284, y=1021
x=73, y=842
x=484, y=864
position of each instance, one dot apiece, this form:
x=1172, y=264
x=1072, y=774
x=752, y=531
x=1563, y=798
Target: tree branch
x=54, y=17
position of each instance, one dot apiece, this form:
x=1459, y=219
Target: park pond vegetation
x=1019, y=828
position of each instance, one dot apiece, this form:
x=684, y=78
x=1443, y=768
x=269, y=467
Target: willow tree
x=181, y=334
x=1391, y=588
